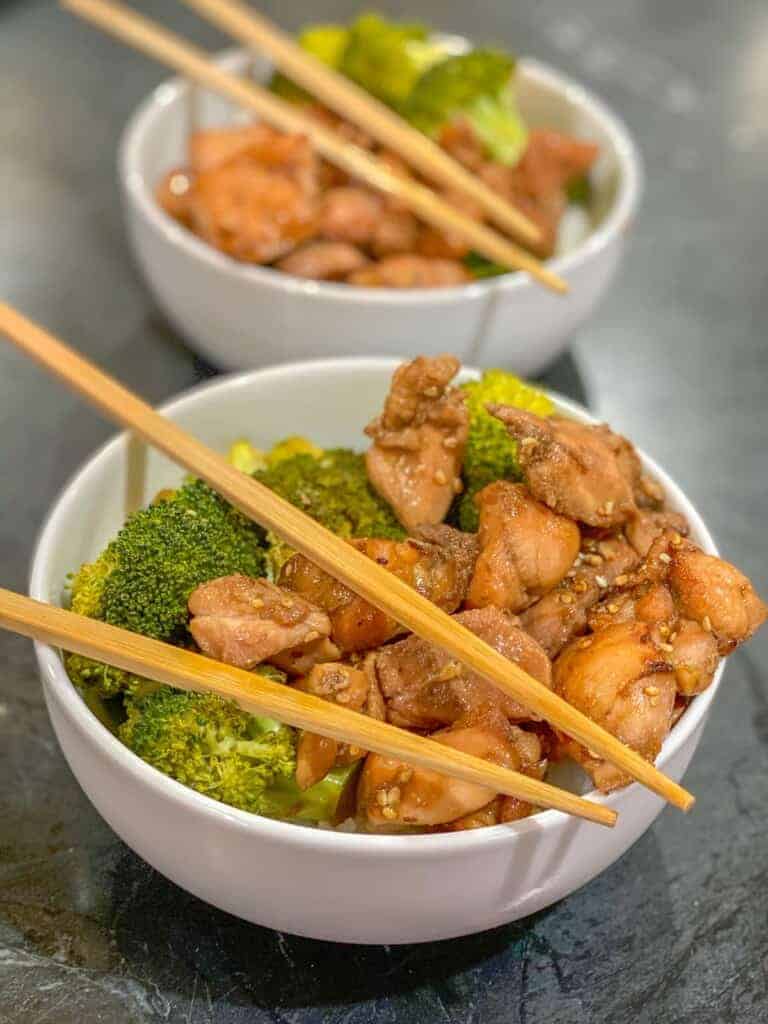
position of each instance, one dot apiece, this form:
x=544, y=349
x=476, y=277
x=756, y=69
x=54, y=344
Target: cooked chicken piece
x=442, y=245
x=644, y=527
x=562, y=613
x=622, y=681
x=424, y=687
x=418, y=441
x=396, y=232
x=694, y=657
x=439, y=567
x=392, y=794
x=509, y=808
x=299, y=661
x=710, y=591
x=576, y=469
x=350, y=687
x=251, y=212
x=244, y=621
x=411, y=271
x=460, y=139
x=173, y=195
x=213, y=147
x=525, y=548
x=323, y=261
x=647, y=601
x=551, y=161
x=349, y=214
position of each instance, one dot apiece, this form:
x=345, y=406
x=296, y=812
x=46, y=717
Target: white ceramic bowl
x=324, y=884
x=241, y=316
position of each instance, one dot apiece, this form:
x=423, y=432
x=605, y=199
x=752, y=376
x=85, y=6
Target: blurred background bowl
x=329, y=885
x=240, y=316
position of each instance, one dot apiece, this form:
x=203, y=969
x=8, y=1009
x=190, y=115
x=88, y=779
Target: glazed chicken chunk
x=583, y=472
x=525, y=548
x=418, y=441
x=350, y=687
x=424, y=687
x=439, y=567
x=562, y=613
x=244, y=621
x=392, y=794
x=621, y=679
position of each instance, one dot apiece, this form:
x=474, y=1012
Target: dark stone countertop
x=674, y=932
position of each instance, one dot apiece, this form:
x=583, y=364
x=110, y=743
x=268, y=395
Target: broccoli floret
x=334, y=490
x=481, y=267
x=290, y=446
x=478, y=87
x=386, y=57
x=325, y=42
x=246, y=457
x=223, y=752
x=491, y=454
x=103, y=680
x=144, y=578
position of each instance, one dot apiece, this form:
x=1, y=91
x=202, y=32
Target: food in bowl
x=573, y=567
x=263, y=196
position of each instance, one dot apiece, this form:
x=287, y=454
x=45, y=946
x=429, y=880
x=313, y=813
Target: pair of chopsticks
x=351, y=102
x=369, y=580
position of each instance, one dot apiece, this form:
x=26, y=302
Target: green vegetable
x=143, y=580
x=491, y=454
x=386, y=58
x=334, y=489
x=104, y=681
x=290, y=446
x=579, y=191
x=246, y=457
x=325, y=42
x=477, y=86
x=214, y=747
x=481, y=267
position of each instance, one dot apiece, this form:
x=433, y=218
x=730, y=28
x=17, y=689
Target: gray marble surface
x=674, y=932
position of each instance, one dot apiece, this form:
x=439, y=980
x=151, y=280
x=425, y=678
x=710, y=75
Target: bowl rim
x=140, y=194
x=54, y=675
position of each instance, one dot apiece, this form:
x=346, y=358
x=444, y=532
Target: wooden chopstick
x=259, y=695
x=358, y=106
x=383, y=589
x=170, y=49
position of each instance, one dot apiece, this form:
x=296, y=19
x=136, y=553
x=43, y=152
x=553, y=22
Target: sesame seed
x=450, y=441
x=257, y=602
x=389, y=813
x=707, y=623
x=528, y=442
x=178, y=184
x=676, y=541
x=666, y=647
x=585, y=643
x=381, y=798
x=579, y=586
x=432, y=392
x=404, y=775
x=594, y=559
x=609, y=505
x=286, y=602
x=440, y=477
x=654, y=702
x=312, y=635
x=601, y=581
x=394, y=795
x=458, y=486
x=664, y=557
x=664, y=631
x=673, y=636
x=651, y=691
x=342, y=698
x=613, y=607
x=621, y=580
x=566, y=598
